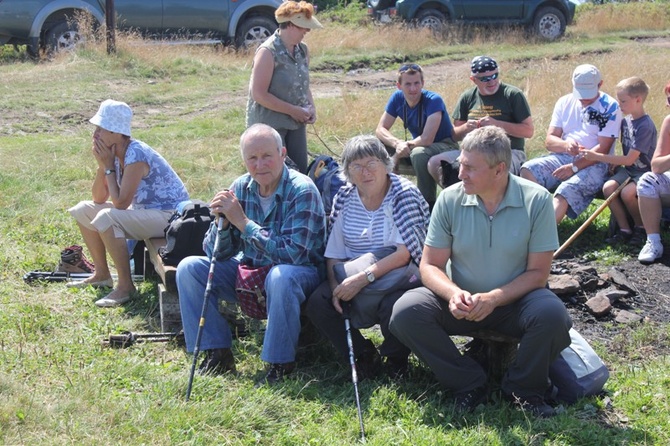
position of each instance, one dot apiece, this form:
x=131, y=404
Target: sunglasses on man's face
x=413, y=67
x=487, y=78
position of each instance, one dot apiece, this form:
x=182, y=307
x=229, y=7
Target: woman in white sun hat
x=135, y=191
x=279, y=93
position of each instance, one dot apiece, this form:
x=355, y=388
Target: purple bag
x=250, y=289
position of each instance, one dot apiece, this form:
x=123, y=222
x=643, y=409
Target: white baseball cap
x=113, y=116
x=586, y=82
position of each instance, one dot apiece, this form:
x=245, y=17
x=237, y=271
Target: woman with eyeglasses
x=653, y=191
x=380, y=219
x=279, y=93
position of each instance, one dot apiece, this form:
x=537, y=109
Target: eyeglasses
x=487, y=78
x=408, y=67
x=371, y=166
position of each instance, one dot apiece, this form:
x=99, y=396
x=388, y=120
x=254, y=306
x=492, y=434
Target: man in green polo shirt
x=485, y=266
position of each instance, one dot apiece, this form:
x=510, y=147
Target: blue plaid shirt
x=293, y=232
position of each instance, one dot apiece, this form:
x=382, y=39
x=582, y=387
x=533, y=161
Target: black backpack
x=185, y=232
x=328, y=177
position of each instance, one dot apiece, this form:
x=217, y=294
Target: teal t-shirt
x=488, y=253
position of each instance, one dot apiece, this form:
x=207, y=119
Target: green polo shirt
x=489, y=252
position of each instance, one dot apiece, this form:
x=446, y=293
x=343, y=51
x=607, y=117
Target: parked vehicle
x=546, y=18
x=50, y=25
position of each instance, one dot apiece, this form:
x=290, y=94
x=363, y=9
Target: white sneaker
x=650, y=252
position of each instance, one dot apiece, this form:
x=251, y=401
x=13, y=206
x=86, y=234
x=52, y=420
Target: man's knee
x=406, y=312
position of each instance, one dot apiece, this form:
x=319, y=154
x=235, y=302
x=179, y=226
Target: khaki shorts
x=134, y=224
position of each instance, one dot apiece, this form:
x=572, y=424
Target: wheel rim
x=256, y=35
x=68, y=40
x=432, y=23
x=549, y=26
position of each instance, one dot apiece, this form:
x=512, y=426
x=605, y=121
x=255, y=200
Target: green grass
x=59, y=386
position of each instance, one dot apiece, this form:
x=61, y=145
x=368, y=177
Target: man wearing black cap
x=489, y=102
x=585, y=119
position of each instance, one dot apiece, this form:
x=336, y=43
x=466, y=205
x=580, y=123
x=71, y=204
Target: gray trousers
x=323, y=315
x=424, y=323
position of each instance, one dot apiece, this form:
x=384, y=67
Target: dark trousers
x=424, y=323
x=325, y=317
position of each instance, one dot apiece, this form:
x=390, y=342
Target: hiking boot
x=466, y=402
x=638, y=238
x=217, y=362
x=396, y=368
x=650, y=252
x=276, y=374
x=533, y=404
x=619, y=238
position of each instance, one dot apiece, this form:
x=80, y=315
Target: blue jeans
x=287, y=288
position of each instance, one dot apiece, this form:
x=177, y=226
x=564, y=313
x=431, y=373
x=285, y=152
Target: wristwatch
x=575, y=169
x=369, y=275
x=109, y=171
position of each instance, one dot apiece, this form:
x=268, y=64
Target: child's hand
x=587, y=154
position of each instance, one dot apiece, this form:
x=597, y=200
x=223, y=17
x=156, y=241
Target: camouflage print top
x=290, y=83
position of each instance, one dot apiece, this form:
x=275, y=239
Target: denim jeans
x=287, y=288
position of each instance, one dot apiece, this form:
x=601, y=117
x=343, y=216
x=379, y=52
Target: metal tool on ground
x=128, y=338
x=63, y=276
x=586, y=224
x=346, y=314
x=201, y=325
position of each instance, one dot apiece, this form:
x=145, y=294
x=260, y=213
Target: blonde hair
x=290, y=8
x=633, y=86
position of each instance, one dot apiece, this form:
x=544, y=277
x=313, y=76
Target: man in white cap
x=585, y=119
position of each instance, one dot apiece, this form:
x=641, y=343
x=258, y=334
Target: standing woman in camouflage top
x=279, y=93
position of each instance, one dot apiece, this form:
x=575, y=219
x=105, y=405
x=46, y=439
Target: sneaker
x=217, y=362
x=465, y=402
x=276, y=374
x=650, y=252
x=533, y=404
x=619, y=238
x=638, y=238
x=396, y=368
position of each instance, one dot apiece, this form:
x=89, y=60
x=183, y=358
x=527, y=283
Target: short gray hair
x=258, y=130
x=492, y=142
x=363, y=146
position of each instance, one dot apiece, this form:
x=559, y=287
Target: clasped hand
x=225, y=204
x=471, y=307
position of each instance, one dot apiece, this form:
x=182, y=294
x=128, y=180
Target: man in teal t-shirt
x=485, y=266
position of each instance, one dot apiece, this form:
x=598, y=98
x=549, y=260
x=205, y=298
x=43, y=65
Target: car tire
x=432, y=19
x=378, y=5
x=63, y=36
x=549, y=23
x=254, y=31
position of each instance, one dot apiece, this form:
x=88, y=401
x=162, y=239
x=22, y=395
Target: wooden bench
x=168, y=297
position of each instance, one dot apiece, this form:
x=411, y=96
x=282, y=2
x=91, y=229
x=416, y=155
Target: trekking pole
x=208, y=290
x=346, y=314
x=586, y=224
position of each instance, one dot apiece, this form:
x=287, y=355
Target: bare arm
x=383, y=131
x=523, y=129
x=351, y=286
x=618, y=160
x=660, y=162
x=132, y=175
x=536, y=275
x=429, y=131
